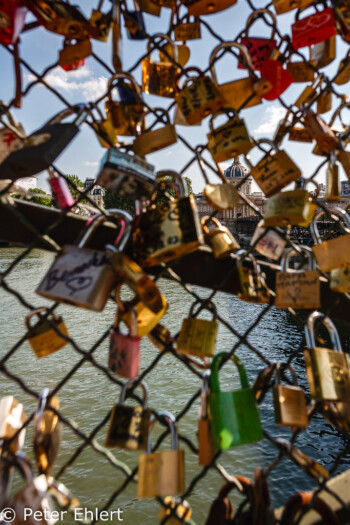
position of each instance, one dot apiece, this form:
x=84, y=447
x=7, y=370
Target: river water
x=88, y=395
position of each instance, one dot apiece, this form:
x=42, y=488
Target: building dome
x=236, y=171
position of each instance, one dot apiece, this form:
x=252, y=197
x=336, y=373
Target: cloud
x=273, y=114
x=91, y=163
x=80, y=80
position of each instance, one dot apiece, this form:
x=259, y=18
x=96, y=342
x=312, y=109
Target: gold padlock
x=342, y=19
x=324, y=52
x=332, y=253
x=268, y=242
x=207, y=7
x=294, y=207
x=12, y=418
x=47, y=432
x=219, y=238
x=242, y=93
x=327, y=369
x=74, y=52
x=283, y=6
x=125, y=114
x=206, y=451
x=274, y=171
x=159, y=78
x=252, y=283
x=300, y=134
x=322, y=133
x=105, y=132
x=289, y=402
x=198, y=336
x=302, y=71
x=160, y=337
x=332, y=179
x=343, y=75
x=180, y=510
x=100, y=23
x=43, y=339
x=150, y=7
x=324, y=101
x=129, y=425
x=162, y=473
x=152, y=140
x=230, y=139
x=339, y=279
x=308, y=93
x=146, y=319
x=187, y=29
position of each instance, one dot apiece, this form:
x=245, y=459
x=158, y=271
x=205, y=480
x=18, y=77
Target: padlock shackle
x=326, y=321
x=171, y=421
x=242, y=254
x=36, y=312
x=304, y=8
x=285, y=368
x=80, y=109
x=338, y=212
x=266, y=153
x=210, y=306
x=123, y=76
x=290, y=252
x=256, y=15
x=172, y=44
x=244, y=52
x=223, y=111
x=205, y=220
x=128, y=384
x=189, y=79
x=93, y=223
x=176, y=182
x=214, y=368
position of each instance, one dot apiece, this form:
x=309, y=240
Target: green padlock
x=234, y=415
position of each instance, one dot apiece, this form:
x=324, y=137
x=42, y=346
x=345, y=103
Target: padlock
x=146, y=319
x=100, y=23
x=222, y=511
x=198, y=97
x=252, y=283
x=129, y=426
x=274, y=171
x=283, y=6
x=183, y=54
x=343, y=73
x=160, y=337
x=300, y=134
x=332, y=253
x=262, y=382
x=43, y=338
x=273, y=72
x=259, y=48
x=282, y=128
x=180, y=511
x=229, y=139
x=333, y=190
x=47, y=432
x=309, y=465
x=313, y=29
x=289, y=402
x=242, y=93
x=60, y=17
x=134, y=23
x=60, y=190
x=299, y=503
x=327, y=370
x=168, y=230
x=162, y=473
x=12, y=20
x=268, y=242
x=294, y=207
x=43, y=146
x=105, y=132
x=302, y=70
x=127, y=175
x=324, y=100
x=198, y=336
x=207, y=7
x=342, y=18
x=324, y=52
x=124, y=349
x=219, y=238
x=73, y=55
x=159, y=78
x=152, y=140
x=339, y=279
x=322, y=133
x=298, y=289
x=152, y=8
x=11, y=134
x=83, y=276
x=206, y=450
x=344, y=159
x=12, y=419
x=125, y=113
x=309, y=93
x=234, y=415
x=187, y=29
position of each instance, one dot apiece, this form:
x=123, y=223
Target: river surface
x=88, y=395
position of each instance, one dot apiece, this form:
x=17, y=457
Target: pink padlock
x=60, y=190
x=124, y=350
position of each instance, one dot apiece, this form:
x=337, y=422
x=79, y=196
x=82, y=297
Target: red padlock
x=124, y=350
x=60, y=190
x=279, y=77
x=313, y=29
x=259, y=48
x=12, y=18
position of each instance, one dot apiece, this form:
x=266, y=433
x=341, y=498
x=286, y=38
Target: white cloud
x=273, y=114
x=91, y=163
x=80, y=80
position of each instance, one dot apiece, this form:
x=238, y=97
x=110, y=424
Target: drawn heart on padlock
x=294, y=296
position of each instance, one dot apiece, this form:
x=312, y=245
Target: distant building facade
x=27, y=183
x=96, y=193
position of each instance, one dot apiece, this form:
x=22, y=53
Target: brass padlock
x=332, y=253
x=60, y=17
x=73, y=55
x=322, y=133
x=207, y=7
x=342, y=19
x=152, y=140
x=183, y=54
x=129, y=425
x=324, y=52
x=333, y=190
x=12, y=419
x=159, y=78
x=327, y=369
x=294, y=207
x=229, y=139
x=283, y=6
x=344, y=159
x=219, y=238
x=125, y=114
x=187, y=29
x=198, y=97
x=300, y=134
x=339, y=279
x=198, y=336
x=47, y=432
x=100, y=23
x=146, y=319
x=180, y=511
x=160, y=337
x=105, y=132
x=260, y=49
x=242, y=93
x=324, y=101
x=252, y=283
x=268, y=242
x=343, y=74
x=152, y=8
x=274, y=171
x=308, y=93
x=170, y=229
x=162, y=473
x=298, y=289
x=302, y=71
x=289, y=402
x=43, y=338
x=206, y=451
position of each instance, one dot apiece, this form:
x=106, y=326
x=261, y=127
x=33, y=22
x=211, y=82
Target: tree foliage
x=78, y=184
x=115, y=201
x=44, y=201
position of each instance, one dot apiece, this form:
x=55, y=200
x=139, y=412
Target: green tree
x=112, y=200
x=44, y=201
x=189, y=185
x=78, y=184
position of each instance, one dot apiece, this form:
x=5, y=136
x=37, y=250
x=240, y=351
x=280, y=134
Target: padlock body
x=12, y=20
x=333, y=253
x=234, y=418
x=105, y=131
x=274, y=172
x=221, y=196
x=12, y=417
x=161, y=474
x=206, y=451
x=313, y=29
x=229, y=140
x=301, y=72
x=79, y=276
x=343, y=75
x=159, y=78
x=146, y=319
x=124, y=116
x=8, y=142
x=34, y=496
x=128, y=427
x=197, y=337
x=287, y=207
x=74, y=53
x=124, y=354
x=147, y=6
x=340, y=279
x=61, y=18
x=45, y=340
x=198, y=99
x=222, y=242
x=154, y=140
x=100, y=25
x=47, y=438
x=237, y=92
x=324, y=52
x=271, y=245
x=207, y=7
x=298, y=134
x=251, y=286
x=135, y=25
x=278, y=77
x=61, y=192
x=259, y=50
x=283, y=6
x=290, y=406
x=298, y=290
x=188, y=31
x=328, y=374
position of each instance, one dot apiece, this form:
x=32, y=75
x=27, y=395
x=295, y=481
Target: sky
x=82, y=157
